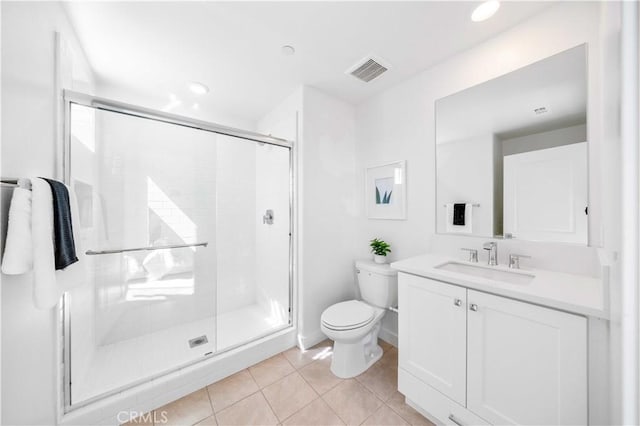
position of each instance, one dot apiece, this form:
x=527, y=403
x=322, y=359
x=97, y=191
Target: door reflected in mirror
x=511, y=154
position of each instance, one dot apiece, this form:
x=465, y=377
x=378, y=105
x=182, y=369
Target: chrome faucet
x=473, y=254
x=492, y=248
x=514, y=260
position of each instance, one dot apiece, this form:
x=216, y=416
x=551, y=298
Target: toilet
x=354, y=325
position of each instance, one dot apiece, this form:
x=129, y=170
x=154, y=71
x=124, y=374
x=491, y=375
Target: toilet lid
x=348, y=315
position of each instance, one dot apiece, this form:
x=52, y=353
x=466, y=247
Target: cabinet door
x=526, y=364
x=432, y=333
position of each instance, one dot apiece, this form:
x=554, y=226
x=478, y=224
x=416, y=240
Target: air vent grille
x=369, y=70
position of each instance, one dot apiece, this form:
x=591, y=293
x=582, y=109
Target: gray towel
x=63, y=243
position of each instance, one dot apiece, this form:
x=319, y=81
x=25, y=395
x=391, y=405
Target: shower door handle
x=267, y=219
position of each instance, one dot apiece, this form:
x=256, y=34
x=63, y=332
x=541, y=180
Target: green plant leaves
x=379, y=247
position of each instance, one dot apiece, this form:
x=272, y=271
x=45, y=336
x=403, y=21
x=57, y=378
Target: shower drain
x=198, y=341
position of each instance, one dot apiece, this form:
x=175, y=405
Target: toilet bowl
x=355, y=337
x=354, y=325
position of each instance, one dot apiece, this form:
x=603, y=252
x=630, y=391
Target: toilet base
x=354, y=358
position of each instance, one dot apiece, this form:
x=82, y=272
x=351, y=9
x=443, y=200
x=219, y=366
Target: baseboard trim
x=389, y=337
x=311, y=339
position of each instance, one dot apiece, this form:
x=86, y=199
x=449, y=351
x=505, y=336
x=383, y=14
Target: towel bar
x=97, y=252
x=11, y=182
x=474, y=205
x=14, y=182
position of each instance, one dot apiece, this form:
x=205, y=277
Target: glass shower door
x=253, y=240
x=188, y=241
x=147, y=198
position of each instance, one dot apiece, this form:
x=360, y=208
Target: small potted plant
x=379, y=248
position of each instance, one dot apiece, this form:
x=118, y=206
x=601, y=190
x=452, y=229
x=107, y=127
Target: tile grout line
x=282, y=378
x=400, y=414
x=334, y=411
x=328, y=390
x=295, y=371
x=320, y=395
x=270, y=407
x=213, y=411
x=384, y=402
x=372, y=414
x=302, y=408
x=241, y=399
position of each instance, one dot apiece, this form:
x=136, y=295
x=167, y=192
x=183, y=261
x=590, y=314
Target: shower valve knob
x=267, y=219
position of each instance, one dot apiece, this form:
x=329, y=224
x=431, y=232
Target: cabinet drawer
x=439, y=408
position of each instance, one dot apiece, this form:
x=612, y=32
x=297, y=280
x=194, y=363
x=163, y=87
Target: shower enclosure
x=186, y=233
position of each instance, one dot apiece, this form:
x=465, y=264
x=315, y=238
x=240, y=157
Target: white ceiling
x=156, y=48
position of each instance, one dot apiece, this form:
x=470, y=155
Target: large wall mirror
x=511, y=154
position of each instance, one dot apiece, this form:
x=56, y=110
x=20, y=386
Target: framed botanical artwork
x=386, y=191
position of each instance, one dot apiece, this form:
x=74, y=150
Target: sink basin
x=489, y=273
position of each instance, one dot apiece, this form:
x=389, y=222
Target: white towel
x=49, y=284
x=467, y=228
x=18, y=252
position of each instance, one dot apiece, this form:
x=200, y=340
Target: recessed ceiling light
x=287, y=50
x=198, y=88
x=485, y=11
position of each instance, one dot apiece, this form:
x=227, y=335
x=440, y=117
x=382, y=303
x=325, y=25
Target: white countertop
x=568, y=292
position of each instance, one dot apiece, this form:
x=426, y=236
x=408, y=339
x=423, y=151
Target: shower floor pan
x=118, y=365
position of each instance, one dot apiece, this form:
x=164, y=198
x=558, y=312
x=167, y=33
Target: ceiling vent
x=368, y=69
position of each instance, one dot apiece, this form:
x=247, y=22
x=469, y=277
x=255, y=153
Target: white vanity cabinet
x=469, y=357
x=434, y=316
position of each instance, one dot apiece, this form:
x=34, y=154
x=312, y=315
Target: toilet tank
x=378, y=283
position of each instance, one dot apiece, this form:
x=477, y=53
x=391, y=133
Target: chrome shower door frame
x=98, y=103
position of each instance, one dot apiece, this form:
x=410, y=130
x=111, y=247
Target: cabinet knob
x=457, y=302
x=473, y=307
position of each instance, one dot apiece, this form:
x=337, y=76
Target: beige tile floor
x=297, y=388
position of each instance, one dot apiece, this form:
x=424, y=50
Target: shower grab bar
x=149, y=248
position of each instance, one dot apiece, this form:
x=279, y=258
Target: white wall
x=399, y=124
x=544, y=140
x=329, y=208
x=326, y=208
x=29, y=148
x=465, y=174
x=610, y=21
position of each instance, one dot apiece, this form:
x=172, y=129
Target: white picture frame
x=386, y=191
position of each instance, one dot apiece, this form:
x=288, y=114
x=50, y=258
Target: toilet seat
x=348, y=315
